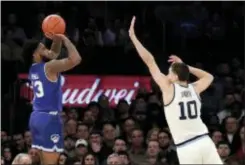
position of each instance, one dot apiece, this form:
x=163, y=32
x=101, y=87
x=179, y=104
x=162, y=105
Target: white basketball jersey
x=183, y=114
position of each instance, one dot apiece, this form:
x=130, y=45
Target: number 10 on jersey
x=188, y=110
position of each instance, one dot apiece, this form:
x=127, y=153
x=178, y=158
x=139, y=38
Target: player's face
x=171, y=75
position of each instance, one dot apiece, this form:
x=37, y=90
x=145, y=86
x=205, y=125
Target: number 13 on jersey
x=188, y=110
x=38, y=89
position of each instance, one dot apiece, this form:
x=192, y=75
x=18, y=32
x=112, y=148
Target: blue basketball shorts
x=47, y=131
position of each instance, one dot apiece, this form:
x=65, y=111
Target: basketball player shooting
x=45, y=122
x=182, y=106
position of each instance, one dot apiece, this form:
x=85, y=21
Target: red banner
x=81, y=90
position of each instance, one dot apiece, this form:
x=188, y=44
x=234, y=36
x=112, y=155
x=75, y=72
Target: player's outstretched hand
x=174, y=59
x=131, y=29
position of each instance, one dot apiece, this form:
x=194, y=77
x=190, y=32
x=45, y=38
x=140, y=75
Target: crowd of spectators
x=207, y=35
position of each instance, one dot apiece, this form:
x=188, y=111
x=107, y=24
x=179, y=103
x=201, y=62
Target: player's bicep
x=57, y=66
x=202, y=84
x=161, y=79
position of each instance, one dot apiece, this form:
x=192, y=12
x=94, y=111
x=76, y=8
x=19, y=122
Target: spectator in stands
x=4, y=137
x=119, y=145
x=240, y=154
x=22, y=159
x=152, y=152
x=20, y=143
x=122, y=110
x=2, y=161
x=223, y=150
x=217, y=136
x=81, y=148
x=137, y=148
x=124, y=158
x=168, y=151
x=71, y=127
x=95, y=109
x=35, y=156
x=83, y=131
x=128, y=125
x=88, y=118
x=72, y=114
x=152, y=135
x=17, y=31
x=63, y=159
x=92, y=35
x=7, y=155
x=109, y=36
x=108, y=113
x=113, y=159
x=89, y=159
x=64, y=117
x=28, y=140
x=231, y=133
x=69, y=145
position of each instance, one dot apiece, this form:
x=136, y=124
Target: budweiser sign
x=81, y=90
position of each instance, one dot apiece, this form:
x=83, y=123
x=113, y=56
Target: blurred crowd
x=208, y=35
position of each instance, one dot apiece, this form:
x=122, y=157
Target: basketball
x=54, y=24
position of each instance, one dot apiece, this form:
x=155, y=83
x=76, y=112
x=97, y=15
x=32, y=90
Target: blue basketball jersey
x=47, y=94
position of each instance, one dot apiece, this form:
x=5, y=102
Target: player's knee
x=50, y=157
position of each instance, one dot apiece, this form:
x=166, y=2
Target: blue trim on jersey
x=191, y=140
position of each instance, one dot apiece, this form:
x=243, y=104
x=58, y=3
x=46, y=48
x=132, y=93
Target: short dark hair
x=124, y=153
x=82, y=124
x=29, y=49
x=181, y=70
x=222, y=143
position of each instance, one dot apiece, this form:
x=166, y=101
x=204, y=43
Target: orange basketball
x=53, y=24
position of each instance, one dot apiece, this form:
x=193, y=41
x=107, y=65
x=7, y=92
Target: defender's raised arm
x=148, y=59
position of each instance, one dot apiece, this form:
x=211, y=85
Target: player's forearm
x=55, y=48
x=199, y=73
x=73, y=54
x=142, y=51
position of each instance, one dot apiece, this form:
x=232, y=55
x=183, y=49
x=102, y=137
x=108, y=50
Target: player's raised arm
x=73, y=59
x=55, y=49
x=205, y=78
x=148, y=59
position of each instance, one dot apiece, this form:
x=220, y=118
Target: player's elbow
x=211, y=78
x=76, y=60
x=79, y=59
